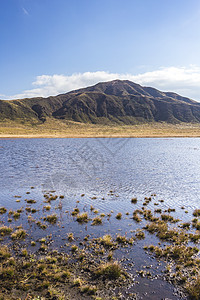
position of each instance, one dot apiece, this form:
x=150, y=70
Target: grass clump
x=7, y=273
x=140, y=234
x=16, y=215
x=106, y=241
x=82, y=218
x=136, y=217
x=179, y=253
x=43, y=247
x=47, y=207
x=74, y=248
x=165, y=217
x=134, y=200
x=91, y=207
x=75, y=212
x=24, y=252
x=30, y=201
x=186, y=225
x=3, y=210
x=193, y=288
x=55, y=293
x=19, y=234
x=42, y=240
x=171, y=210
x=196, y=213
x=194, y=237
x=197, y=225
x=164, y=233
x=78, y=282
x=62, y=276
x=70, y=237
x=5, y=230
x=4, y=253
x=110, y=256
x=121, y=239
x=97, y=221
x=51, y=260
x=89, y=289
x=41, y=225
x=119, y=216
x=51, y=218
x=53, y=197
x=158, y=227
x=111, y=270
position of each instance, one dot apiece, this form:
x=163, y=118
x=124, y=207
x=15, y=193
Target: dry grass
x=19, y=234
x=4, y=230
x=62, y=129
x=82, y=218
x=194, y=288
x=96, y=221
x=111, y=270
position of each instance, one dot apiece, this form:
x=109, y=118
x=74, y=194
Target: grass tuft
x=19, y=234
x=51, y=218
x=82, y=218
x=97, y=221
x=111, y=270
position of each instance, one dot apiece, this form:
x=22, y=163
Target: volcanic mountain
x=121, y=102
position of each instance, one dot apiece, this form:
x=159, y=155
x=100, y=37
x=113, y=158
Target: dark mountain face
x=122, y=102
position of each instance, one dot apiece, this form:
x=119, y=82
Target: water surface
x=109, y=172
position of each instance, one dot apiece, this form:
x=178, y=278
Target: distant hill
x=121, y=102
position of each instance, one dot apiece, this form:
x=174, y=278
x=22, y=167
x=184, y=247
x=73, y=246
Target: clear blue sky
x=47, y=37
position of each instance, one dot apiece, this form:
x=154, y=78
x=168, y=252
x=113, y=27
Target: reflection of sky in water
x=168, y=167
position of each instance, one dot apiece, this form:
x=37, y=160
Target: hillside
x=115, y=102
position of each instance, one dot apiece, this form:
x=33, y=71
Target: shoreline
x=4, y=137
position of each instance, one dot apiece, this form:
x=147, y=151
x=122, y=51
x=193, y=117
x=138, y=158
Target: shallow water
x=128, y=167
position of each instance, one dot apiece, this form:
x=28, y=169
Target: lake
x=106, y=173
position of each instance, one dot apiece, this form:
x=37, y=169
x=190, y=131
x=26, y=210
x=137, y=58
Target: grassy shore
x=60, y=129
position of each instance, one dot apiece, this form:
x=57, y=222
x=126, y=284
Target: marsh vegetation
x=73, y=265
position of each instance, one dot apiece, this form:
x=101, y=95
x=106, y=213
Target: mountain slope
x=122, y=102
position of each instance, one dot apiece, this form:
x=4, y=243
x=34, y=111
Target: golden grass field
x=59, y=129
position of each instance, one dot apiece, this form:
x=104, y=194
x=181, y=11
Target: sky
x=49, y=47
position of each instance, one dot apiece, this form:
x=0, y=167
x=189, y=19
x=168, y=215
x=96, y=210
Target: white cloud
x=182, y=80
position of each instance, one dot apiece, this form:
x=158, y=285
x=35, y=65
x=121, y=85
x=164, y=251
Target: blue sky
x=52, y=46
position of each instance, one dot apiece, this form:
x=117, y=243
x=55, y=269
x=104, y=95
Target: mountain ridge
x=117, y=101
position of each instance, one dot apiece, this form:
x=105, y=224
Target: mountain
x=122, y=102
